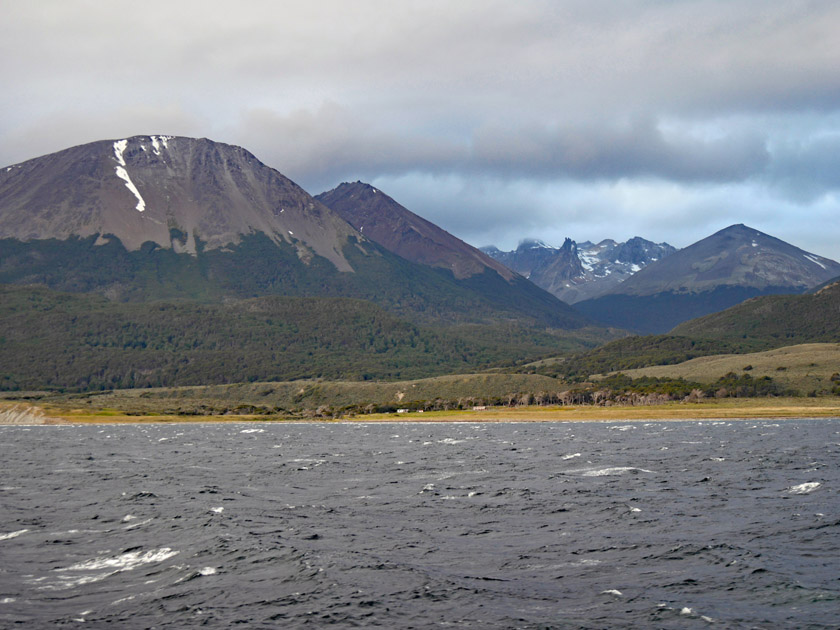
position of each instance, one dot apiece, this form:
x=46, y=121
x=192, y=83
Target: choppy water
x=660, y=525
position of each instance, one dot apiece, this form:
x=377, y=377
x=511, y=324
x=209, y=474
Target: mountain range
x=580, y=271
x=151, y=217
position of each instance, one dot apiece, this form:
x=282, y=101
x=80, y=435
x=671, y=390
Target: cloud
x=631, y=115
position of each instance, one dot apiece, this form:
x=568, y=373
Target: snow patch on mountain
x=158, y=142
x=119, y=151
x=123, y=175
x=814, y=259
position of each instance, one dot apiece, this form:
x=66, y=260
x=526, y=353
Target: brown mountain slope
x=397, y=229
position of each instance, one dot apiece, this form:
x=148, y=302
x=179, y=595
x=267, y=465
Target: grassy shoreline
x=726, y=409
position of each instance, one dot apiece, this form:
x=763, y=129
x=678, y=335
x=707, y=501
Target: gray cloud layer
x=500, y=120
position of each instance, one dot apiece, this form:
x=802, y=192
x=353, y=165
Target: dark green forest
x=79, y=342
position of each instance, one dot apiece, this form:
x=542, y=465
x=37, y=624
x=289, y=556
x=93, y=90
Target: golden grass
x=732, y=409
x=805, y=367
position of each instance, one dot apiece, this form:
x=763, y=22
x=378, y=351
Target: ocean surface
x=731, y=524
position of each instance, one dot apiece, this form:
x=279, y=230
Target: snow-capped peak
x=532, y=243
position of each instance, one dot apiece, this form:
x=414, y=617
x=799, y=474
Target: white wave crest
x=11, y=535
x=615, y=470
x=804, y=488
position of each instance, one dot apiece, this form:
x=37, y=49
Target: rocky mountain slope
x=143, y=188
x=576, y=272
x=397, y=229
x=713, y=274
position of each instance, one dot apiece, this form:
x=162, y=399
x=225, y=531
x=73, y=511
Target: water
x=654, y=525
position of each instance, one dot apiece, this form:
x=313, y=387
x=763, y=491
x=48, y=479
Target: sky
x=497, y=120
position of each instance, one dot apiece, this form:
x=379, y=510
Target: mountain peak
x=737, y=255
x=381, y=219
x=140, y=188
x=533, y=243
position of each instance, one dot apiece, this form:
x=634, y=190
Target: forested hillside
x=52, y=340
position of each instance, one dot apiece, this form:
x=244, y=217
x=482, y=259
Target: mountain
x=575, y=272
x=142, y=189
x=153, y=217
x=397, y=229
x=713, y=274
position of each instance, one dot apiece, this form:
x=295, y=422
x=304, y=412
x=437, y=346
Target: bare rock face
x=381, y=219
x=147, y=188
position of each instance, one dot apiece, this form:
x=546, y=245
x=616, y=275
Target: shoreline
x=23, y=414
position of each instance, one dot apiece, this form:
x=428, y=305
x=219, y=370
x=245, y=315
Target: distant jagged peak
x=577, y=271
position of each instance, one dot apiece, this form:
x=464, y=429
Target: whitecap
x=217, y=510
x=138, y=524
x=91, y=571
x=804, y=488
x=612, y=591
x=11, y=535
x=615, y=470
x=252, y=431
x=586, y=562
x=207, y=571
x=124, y=562
x=572, y=456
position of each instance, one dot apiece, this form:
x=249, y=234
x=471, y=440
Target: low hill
x=806, y=368
x=777, y=320
x=759, y=324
